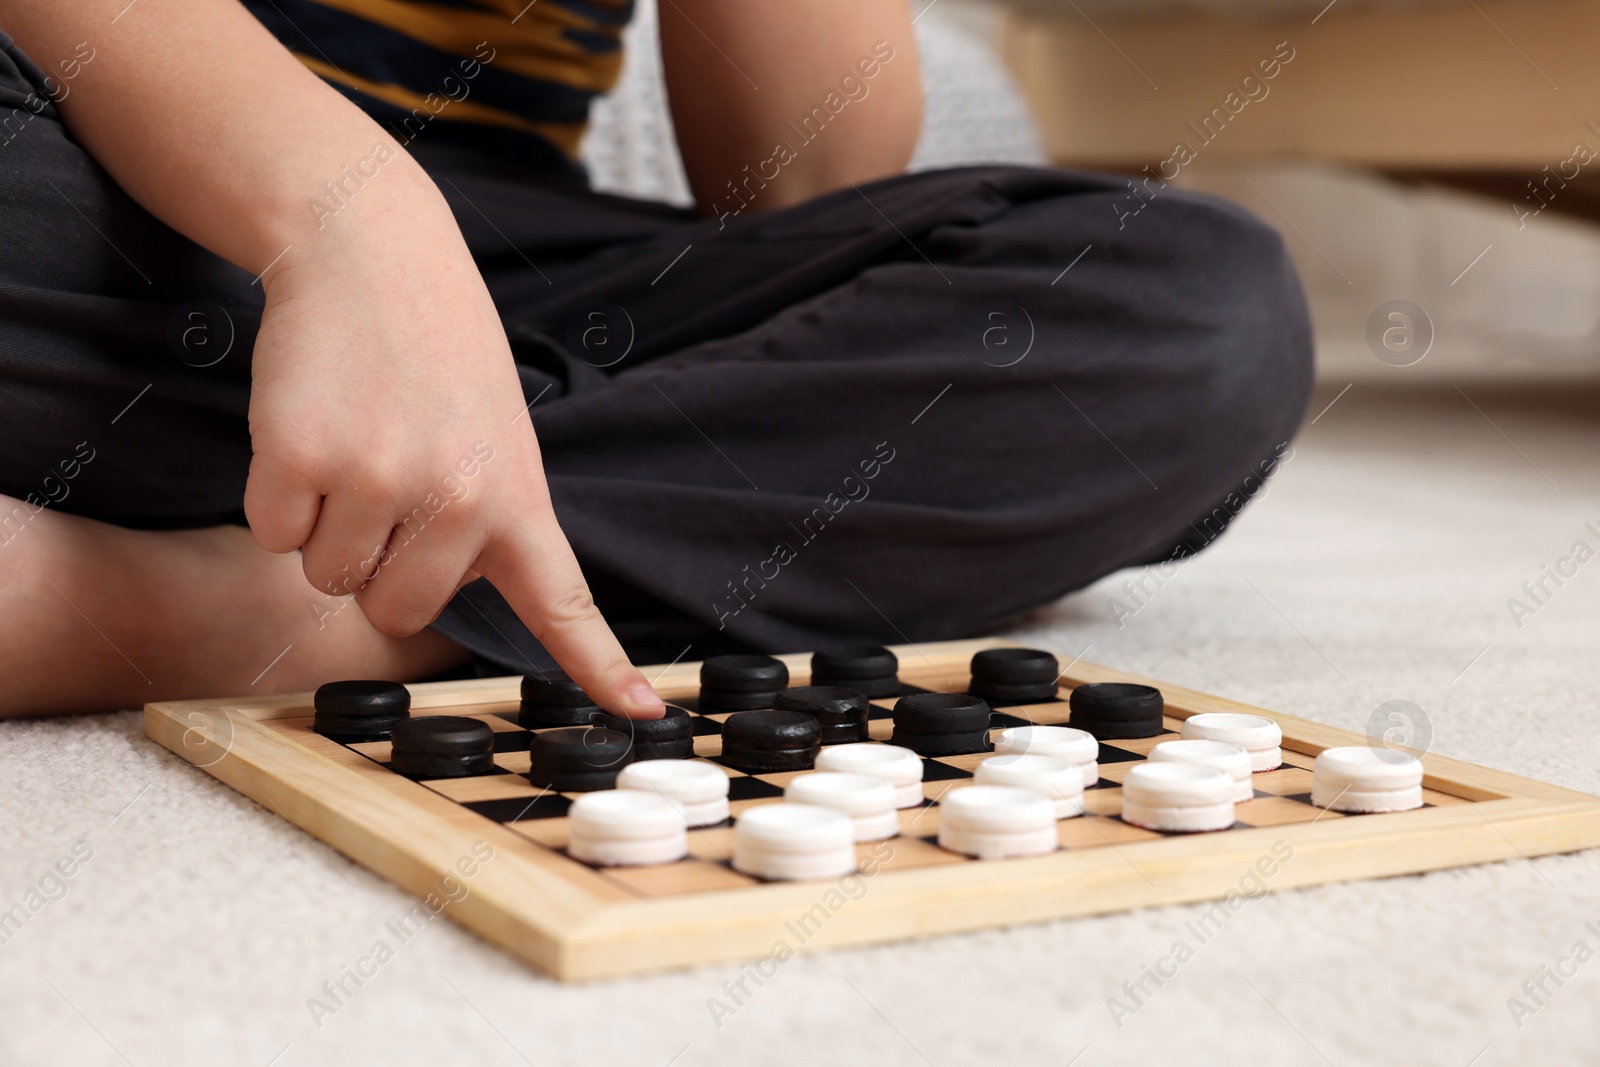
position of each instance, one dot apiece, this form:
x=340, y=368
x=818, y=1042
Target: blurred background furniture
x=1394, y=152
x=1429, y=150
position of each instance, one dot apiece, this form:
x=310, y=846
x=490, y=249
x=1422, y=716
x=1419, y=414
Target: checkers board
x=576, y=922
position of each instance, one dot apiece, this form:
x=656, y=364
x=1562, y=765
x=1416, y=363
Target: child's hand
x=386, y=411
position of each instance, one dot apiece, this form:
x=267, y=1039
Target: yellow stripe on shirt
x=564, y=136
x=533, y=46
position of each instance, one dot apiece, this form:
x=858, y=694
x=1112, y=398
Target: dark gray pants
x=905, y=412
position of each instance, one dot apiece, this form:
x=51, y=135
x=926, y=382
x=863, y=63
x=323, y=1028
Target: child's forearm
x=209, y=123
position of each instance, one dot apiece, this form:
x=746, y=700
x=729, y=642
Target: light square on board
x=514, y=762
x=936, y=790
x=713, y=843
x=1283, y=782
x=1280, y=811
x=1100, y=831
x=908, y=852
x=675, y=879
x=499, y=723
x=1143, y=745
x=920, y=821
x=378, y=751
x=1055, y=713
x=934, y=679
x=1103, y=801
x=1117, y=772
x=483, y=787
x=551, y=833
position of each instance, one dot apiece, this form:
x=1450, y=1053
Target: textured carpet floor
x=1378, y=567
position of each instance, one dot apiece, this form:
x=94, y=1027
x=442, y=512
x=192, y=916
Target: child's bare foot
x=94, y=617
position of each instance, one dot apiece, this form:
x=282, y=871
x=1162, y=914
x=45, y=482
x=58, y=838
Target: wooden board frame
x=570, y=922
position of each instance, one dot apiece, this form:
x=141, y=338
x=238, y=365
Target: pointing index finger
x=537, y=573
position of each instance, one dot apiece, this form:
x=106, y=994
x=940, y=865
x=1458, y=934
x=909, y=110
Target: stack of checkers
x=1362, y=779
x=741, y=683
x=869, y=669
x=792, y=841
x=1230, y=759
x=900, y=767
x=941, y=724
x=626, y=828
x=766, y=742
x=669, y=737
x=868, y=800
x=1014, y=675
x=1064, y=743
x=996, y=821
x=841, y=712
x=552, y=699
x=442, y=746
x=1059, y=780
x=1178, y=797
x=1113, y=710
x=1256, y=734
x=351, y=712
x=578, y=760
x=698, y=790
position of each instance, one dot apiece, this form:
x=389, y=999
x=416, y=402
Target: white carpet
x=1377, y=568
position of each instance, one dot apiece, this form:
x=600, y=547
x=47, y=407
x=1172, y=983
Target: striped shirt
x=508, y=77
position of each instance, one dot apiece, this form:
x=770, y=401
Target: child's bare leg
x=94, y=616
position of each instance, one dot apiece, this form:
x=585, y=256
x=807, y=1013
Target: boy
x=323, y=266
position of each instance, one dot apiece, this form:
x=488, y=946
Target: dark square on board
x=512, y=740
x=511, y=809
x=752, y=789
x=704, y=726
x=934, y=771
